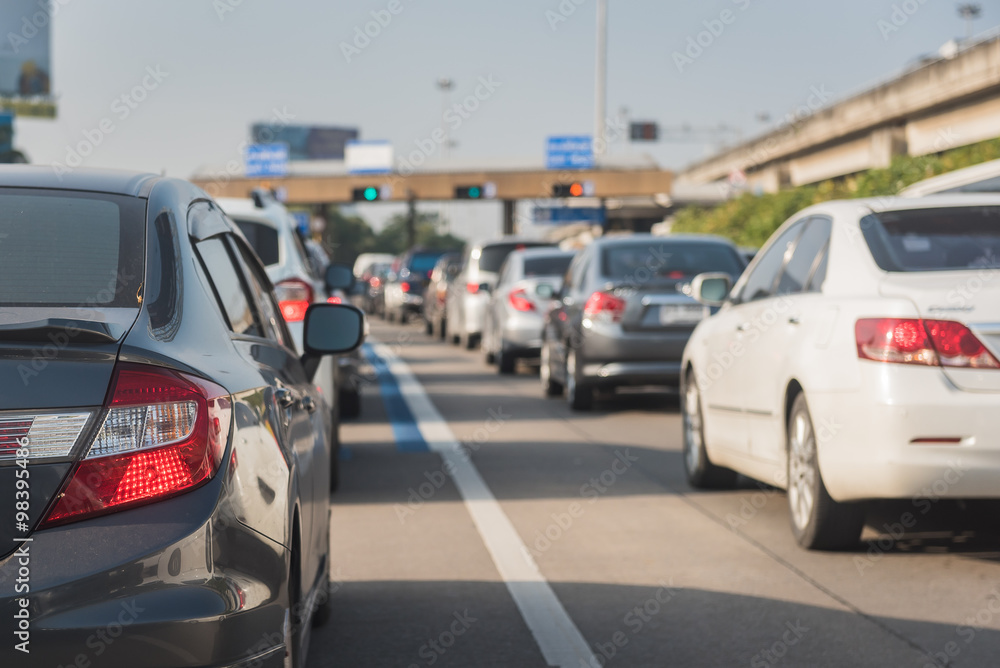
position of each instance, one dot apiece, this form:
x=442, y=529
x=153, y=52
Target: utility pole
x=970, y=12
x=411, y=219
x=600, y=111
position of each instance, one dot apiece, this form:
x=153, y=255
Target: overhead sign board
x=305, y=142
x=369, y=157
x=564, y=215
x=26, y=57
x=266, y=160
x=570, y=152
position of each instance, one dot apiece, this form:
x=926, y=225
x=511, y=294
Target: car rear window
x=423, y=263
x=555, y=265
x=70, y=249
x=492, y=256
x=660, y=259
x=946, y=239
x=263, y=239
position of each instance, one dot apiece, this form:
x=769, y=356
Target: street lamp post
x=970, y=11
x=600, y=113
x=445, y=84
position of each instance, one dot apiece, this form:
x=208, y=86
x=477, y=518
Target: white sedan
x=855, y=359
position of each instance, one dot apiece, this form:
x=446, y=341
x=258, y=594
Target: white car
x=855, y=359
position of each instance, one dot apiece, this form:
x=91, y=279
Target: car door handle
x=308, y=404
x=285, y=397
x=794, y=320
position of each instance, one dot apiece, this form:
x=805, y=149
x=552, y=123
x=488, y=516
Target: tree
x=346, y=237
x=392, y=239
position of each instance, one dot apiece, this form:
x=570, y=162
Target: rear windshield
x=555, y=265
x=263, y=239
x=934, y=239
x=70, y=249
x=493, y=255
x=660, y=259
x=423, y=262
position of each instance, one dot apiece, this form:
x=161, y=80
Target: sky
x=210, y=68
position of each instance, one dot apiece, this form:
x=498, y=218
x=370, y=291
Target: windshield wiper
x=80, y=331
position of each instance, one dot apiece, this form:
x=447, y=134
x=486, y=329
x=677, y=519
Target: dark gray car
x=165, y=456
x=622, y=316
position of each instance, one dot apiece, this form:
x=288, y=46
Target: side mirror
x=331, y=329
x=339, y=277
x=711, y=289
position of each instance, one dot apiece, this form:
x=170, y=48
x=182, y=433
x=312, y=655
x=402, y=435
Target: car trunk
x=659, y=306
x=56, y=371
x=970, y=297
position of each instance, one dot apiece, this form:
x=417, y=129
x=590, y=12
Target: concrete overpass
x=949, y=101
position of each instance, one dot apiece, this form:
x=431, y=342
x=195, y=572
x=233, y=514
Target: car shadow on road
x=475, y=623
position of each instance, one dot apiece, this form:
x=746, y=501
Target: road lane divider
x=558, y=638
x=404, y=426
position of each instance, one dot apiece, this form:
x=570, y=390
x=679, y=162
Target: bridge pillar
x=509, y=208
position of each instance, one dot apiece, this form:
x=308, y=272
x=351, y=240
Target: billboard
x=26, y=57
x=305, y=142
x=369, y=157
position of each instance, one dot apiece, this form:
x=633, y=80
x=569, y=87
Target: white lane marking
x=560, y=642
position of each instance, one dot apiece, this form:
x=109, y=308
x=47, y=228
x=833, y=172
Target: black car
x=624, y=313
x=165, y=457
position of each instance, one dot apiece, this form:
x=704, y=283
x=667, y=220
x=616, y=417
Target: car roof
x=625, y=240
x=542, y=251
x=116, y=182
x=866, y=205
x=511, y=240
x=968, y=176
x=244, y=207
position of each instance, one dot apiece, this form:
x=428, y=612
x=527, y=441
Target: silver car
x=624, y=314
x=469, y=294
x=516, y=312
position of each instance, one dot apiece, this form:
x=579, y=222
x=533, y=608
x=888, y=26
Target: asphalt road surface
x=482, y=524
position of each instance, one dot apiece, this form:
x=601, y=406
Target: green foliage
x=346, y=237
x=750, y=219
x=392, y=239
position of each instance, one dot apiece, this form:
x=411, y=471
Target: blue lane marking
x=404, y=425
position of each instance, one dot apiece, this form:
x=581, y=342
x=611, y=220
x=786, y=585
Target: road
x=650, y=572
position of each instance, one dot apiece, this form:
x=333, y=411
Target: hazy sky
x=226, y=63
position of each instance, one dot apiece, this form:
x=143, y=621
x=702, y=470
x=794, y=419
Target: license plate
x=681, y=314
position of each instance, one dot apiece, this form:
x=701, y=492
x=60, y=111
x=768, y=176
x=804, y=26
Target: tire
x=489, y=357
x=551, y=387
x=404, y=317
x=505, y=360
x=390, y=316
x=429, y=328
x=579, y=395
x=350, y=403
x=443, y=329
x=470, y=341
x=700, y=471
x=818, y=522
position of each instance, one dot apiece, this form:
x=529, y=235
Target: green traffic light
x=371, y=194
x=474, y=192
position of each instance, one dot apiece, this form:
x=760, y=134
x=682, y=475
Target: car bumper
x=474, y=312
x=612, y=355
x=522, y=334
x=135, y=588
x=885, y=441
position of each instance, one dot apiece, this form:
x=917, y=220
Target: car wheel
x=350, y=403
x=551, y=387
x=818, y=522
x=470, y=341
x=443, y=329
x=579, y=395
x=700, y=471
x=404, y=317
x=428, y=327
x=505, y=360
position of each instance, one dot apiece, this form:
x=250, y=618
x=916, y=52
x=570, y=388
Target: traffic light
x=368, y=194
x=575, y=189
x=645, y=131
x=468, y=192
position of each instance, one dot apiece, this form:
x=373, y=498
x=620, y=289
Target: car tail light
x=924, y=342
x=164, y=433
x=519, y=300
x=334, y=300
x=294, y=297
x=472, y=288
x=375, y=282
x=604, y=306
x=404, y=286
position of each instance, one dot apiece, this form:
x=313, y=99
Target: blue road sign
x=6, y=131
x=266, y=160
x=563, y=215
x=575, y=152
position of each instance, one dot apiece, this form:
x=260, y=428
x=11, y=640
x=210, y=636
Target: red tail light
x=294, y=297
x=375, y=282
x=334, y=300
x=925, y=342
x=604, y=306
x=404, y=286
x=472, y=288
x=164, y=433
x=519, y=300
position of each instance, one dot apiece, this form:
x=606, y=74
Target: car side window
x=273, y=324
x=818, y=271
x=230, y=290
x=807, y=249
x=761, y=282
x=580, y=276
